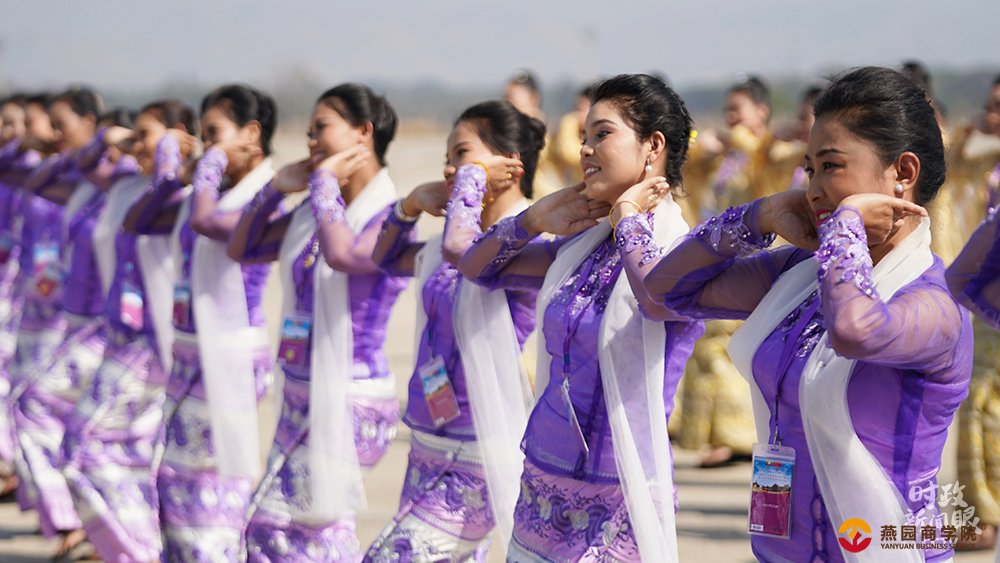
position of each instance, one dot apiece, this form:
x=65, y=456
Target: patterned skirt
x=202, y=513
x=11, y=304
x=280, y=527
x=45, y=398
x=560, y=519
x=444, y=510
x=112, y=443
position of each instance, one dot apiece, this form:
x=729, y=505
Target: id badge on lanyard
x=47, y=271
x=294, y=341
x=438, y=392
x=771, y=490
x=131, y=306
x=774, y=463
x=182, y=305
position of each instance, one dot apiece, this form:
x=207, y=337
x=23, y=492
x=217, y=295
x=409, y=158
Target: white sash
x=853, y=483
x=121, y=196
x=633, y=386
x=226, y=340
x=335, y=474
x=500, y=394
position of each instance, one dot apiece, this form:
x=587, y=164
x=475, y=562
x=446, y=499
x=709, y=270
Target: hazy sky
x=145, y=43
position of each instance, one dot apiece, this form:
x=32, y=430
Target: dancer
x=467, y=406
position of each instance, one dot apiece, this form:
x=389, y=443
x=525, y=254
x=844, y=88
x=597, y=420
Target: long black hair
x=358, y=105
x=508, y=131
x=243, y=104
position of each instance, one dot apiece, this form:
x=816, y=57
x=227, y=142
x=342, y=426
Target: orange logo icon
x=853, y=536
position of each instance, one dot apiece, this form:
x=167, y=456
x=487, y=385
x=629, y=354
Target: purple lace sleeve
x=465, y=206
x=918, y=329
x=262, y=207
x=464, y=211
x=843, y=254
x=167, y=160
x=981, y=261
x=635, y=232
x=731, y=234
x=512, y=239
x=208, y=174
x=327, y=202
x=126, y=166
x=721, y=270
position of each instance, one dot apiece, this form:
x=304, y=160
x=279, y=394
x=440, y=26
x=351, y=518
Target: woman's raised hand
x=431, y=197
x=565, y=212
x=502, y=172
x=788, y=215
x=882, y=214
x=345, y=163
x=293, y=177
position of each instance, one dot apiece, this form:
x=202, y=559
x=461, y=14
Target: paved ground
x=711, y=524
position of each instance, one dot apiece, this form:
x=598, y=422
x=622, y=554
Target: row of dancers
x=137, y=262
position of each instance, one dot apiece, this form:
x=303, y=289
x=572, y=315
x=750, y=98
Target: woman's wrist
x=406, y=210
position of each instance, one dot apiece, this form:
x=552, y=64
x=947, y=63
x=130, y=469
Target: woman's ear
x=908, y=170
x=657, y=145
x=253, y=131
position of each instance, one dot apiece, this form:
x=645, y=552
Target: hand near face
x=565, y=212
x=431, y=197
x=502, y=172
x=293, y=177
x=189, y=143
x=788, y=215
x=345, y=163
x=883, y=215
x=238, y=149
x=646, y=195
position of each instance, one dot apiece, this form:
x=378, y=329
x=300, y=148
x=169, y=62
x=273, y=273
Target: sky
x=144, y=44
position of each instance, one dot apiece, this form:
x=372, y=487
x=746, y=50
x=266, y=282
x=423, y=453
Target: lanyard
x=788, y=352
x=308, y=258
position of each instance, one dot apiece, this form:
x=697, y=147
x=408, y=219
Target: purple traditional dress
x=12, y=159
x=286, y=523
x=202, y=510
x=445, y=510
x=881, y=355
x=48, y=393
x=113, y=437
x=972, y=278
x=572, y=505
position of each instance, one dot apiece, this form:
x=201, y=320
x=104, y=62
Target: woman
x=18, y=161
x=221, y=360
x=458, y=480
x=111, y=439
x=340, y=408
x=596, y=482
x=860, y=337
x=67, y=290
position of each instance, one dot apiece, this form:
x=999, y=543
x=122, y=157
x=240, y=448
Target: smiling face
x=148, y=132
x=612, y=156
x=72, y=131
x=38, y=124
x=464, y=147
x=840, y=164
x=11, y=122
x=329, y=133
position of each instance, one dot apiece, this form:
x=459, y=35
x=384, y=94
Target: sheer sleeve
x=396, y=249
x=720, y=270
x=261, y=229
x=640, y=253
x=974, y=276
x=463, y=227
x=917, y=329
x=342, y=249
x=156, y=210
x=206, y=217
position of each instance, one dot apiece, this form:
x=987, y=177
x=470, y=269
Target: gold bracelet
x=486, y=170
x=629, y=201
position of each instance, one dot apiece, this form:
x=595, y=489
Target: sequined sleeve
x=722, y=268
x=918, y=328
x=974, y=276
